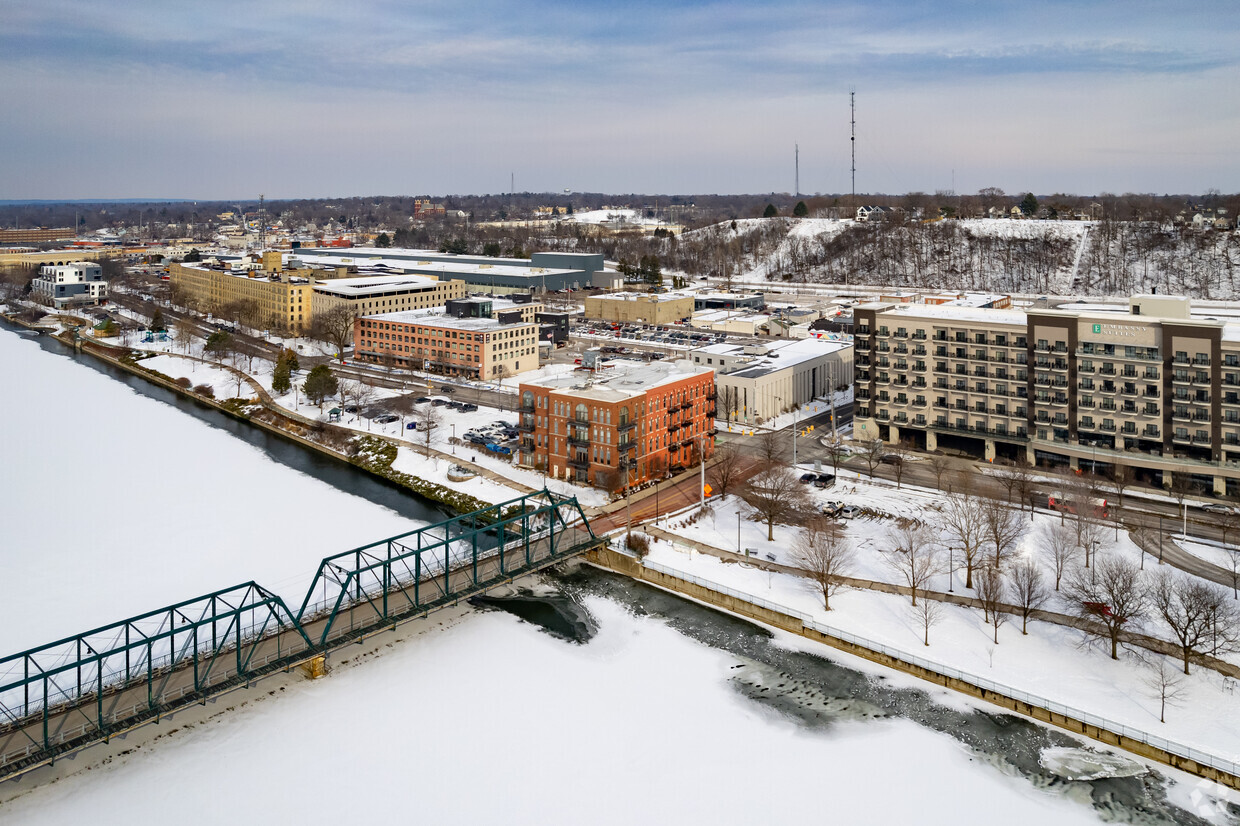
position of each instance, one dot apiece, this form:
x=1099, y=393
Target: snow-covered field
x=489, y=721
x=116, y=504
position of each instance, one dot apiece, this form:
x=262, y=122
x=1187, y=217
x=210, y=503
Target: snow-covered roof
x=622, y=381
x=373, y=285
x=476, y=325
x=950, y=312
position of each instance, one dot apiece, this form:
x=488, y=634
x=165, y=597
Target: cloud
x=696, y=96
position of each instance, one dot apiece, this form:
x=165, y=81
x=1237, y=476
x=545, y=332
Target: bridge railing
x=228, y=635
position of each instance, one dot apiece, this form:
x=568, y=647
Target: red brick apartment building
x=610, y=428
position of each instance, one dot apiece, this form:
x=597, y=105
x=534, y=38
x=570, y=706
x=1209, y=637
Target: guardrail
x=1173, y=747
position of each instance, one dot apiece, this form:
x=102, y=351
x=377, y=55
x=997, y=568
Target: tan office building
x=1156, y=389
x=639, y=308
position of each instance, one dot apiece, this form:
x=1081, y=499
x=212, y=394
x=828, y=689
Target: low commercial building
x=67, y=285
x=639, y=308
x=729, y=301
x=617, y=429
x=1155, y=390
x=731, y=322
x=478, y=348
x=36, y=235
x=756, y=382
x=521, y=307
x=541, y=272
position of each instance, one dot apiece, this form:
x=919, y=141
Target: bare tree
x=913, y=554
x=1195, y=612
x=1024, y=486
x=873, y=452
x=775, y=496
x=1119, y=479
x=1028, y=588
x=836, y=452
x=428, y=419
x=1060, y=546
x=356, y=394
x=184, y=336
x=725, y=468
x=1166, y=684
x=1089, y=535
x=825, y=555
x=927, y=614
x=900, y=455
x=1233, y=559
x=1004, y=528
x=334, y=327
x=964, y=522
x=939, y=465
x=1008, y=479
x=990, y=594
x=772, y=449
x=1113, y=596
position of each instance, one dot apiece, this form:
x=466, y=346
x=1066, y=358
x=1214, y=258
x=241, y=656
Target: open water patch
x=559, y=614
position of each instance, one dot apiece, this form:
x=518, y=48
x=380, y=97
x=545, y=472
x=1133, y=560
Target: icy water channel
x=818, y=692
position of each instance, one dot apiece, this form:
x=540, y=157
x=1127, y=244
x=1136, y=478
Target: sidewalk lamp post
x=454, y=438
x=951, y=570
x=738, y=531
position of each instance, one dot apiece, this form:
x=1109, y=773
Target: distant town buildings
x=617, y=429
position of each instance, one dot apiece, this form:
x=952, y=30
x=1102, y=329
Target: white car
x=1214, y=507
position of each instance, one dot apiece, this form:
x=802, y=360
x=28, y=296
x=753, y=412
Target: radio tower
x=798, y=161
x=852, y=139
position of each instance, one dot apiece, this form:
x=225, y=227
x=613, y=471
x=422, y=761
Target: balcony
x=624, y=427
x=524, y=426
x=526, y=408
x=579, y=441
x=581, y=462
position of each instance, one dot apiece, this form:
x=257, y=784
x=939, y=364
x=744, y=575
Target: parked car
x=1215, y=507
x=809, y=478
x=848, y=511
x=386, y=418
x=422, y=400
x=824, y=480
x=411, y=426
x=468, y=407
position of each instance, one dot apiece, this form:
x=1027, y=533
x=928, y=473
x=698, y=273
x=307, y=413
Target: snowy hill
x=1061, y=257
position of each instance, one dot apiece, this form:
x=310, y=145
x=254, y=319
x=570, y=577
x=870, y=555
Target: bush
x=639, y=544
x=205, y=390
x=183, y=382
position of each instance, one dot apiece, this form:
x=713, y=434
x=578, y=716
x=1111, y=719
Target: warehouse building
x=639, y=308
x=477, y=348
x=756, y=382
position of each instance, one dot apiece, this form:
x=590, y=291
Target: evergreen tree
x=218, y=343
x=290, y=358
x=280, y=379
x=1029, y=204
x=192, y=255
x=157, y=320
x=383, y=241
x=800, y=210
x=770, y=211
x=320, y=384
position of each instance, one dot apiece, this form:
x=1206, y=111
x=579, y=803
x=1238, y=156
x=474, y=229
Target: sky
x=225, y=99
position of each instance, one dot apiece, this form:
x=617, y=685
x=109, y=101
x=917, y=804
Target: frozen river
x=654, y=710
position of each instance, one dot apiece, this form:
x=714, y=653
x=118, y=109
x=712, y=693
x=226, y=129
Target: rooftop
x=778, y=355
x=371, y=285
x=631, y=296
x=478, y=325
x=625, y=380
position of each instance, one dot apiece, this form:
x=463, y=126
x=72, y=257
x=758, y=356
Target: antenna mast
x=798, y=159
x=852, y=138
x=262, y=224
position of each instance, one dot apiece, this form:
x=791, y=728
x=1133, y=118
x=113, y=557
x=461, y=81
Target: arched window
x=582, y=413
x=527, y=399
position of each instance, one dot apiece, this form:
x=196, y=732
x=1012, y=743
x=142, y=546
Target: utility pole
x=852, y=139
x=798, y=167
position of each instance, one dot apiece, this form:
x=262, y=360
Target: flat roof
x=479, y=325
x=373, y=285
x=624, y=380
x=632, y=296
x=955, y=312
x=787, y=353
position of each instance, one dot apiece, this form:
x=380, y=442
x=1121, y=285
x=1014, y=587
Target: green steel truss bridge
x=72, y=693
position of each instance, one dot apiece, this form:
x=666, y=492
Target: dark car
x=352, y=408
x=422, y=399
x=469, y=407
x=411, y=426
x=892, y=459
x=387, y=418
x=440, y=402
x=824, y=480
x=808, y=478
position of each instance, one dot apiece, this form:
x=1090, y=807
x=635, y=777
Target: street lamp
x=951, y=570
x=453, y=438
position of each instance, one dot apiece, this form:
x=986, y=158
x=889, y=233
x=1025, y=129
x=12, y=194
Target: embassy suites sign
x=1126, y=331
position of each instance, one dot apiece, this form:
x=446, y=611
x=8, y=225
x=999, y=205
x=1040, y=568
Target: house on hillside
x=874, y=213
